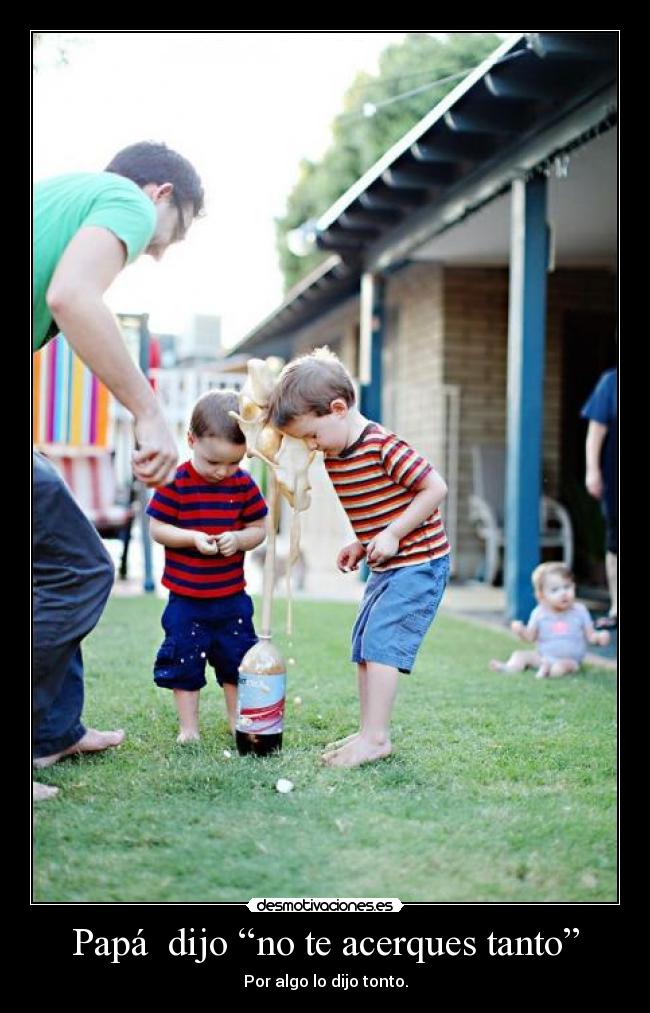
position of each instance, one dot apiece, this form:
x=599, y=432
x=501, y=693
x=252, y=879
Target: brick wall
x=475, y=357
x=413, y=362
x=475, y=308
x=594, y=291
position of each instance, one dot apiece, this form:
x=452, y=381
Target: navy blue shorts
x=218, y=631
x=397, y=609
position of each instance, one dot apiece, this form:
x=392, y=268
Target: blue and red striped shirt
x=191, y=502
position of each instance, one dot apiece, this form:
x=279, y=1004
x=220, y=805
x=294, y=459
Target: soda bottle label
x=260, y=702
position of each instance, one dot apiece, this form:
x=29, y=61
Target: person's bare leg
x=517, y=662
x=41, y=792
x=373, y=741
x=563, y=667
x=92, y=741
x=230, y=696
x=187, y=705
x=362, y=680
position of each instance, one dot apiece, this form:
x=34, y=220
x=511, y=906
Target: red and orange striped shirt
x=375, y=480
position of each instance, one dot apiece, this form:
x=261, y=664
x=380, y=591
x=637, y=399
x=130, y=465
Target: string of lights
x=370, y=109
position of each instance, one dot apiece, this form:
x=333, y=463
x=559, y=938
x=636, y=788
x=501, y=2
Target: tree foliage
x=358, y=139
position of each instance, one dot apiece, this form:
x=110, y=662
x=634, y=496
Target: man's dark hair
x=149, y=162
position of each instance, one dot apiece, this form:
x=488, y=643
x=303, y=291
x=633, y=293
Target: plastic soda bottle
x=260, y=699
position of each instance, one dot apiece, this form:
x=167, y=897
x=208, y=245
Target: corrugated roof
x=531, y=82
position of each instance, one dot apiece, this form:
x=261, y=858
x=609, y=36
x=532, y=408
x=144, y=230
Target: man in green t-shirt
x=87, y=228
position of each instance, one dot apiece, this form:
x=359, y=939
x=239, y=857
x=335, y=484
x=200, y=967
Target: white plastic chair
x=487, y=511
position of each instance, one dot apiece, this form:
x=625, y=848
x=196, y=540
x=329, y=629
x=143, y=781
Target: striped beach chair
x=72, y=428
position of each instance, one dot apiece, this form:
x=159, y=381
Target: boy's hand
x=350, y=557
x=207, y=544
x=228, y=543
x=383, y=547
x=518, y=628
x=603, y=638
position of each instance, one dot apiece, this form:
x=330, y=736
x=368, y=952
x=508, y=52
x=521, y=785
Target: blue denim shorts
x=216, y=631
x=397, y=609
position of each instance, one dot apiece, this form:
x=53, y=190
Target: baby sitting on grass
x=560, y=627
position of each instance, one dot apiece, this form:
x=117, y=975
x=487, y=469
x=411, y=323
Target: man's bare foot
x=189, y=736
x=333, y=747
x=358, y=751
x=91, y=742
x=41, y=792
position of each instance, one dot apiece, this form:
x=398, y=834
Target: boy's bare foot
x=333, y=747
x=358, y=751
x=41, y=792
x=184, y=737
x=543, y=671
x=91, y=742
x=498, y=666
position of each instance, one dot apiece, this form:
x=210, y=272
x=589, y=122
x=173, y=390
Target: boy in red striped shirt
x=392, y=496
x=207, y=518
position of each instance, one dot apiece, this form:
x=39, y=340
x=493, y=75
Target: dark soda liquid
x=257, y=744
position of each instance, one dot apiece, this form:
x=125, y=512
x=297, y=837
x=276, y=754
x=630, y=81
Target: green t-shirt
x=65, y=204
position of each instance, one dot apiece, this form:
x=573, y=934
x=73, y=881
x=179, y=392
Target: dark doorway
x=589, y=344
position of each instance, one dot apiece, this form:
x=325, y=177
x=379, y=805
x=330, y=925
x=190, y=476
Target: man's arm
x=90, y=263
x=596, y=434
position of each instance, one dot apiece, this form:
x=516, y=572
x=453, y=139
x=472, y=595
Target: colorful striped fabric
x=70, y=405
x=90, y=476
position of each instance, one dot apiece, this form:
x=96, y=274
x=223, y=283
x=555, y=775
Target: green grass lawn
x=499, y=789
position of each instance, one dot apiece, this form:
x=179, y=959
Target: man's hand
x=350, y=557
x=228, y=543
x=382, y=547
x=155, y=460
x=206, y=544
x=596, y=435
x=594, y=483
